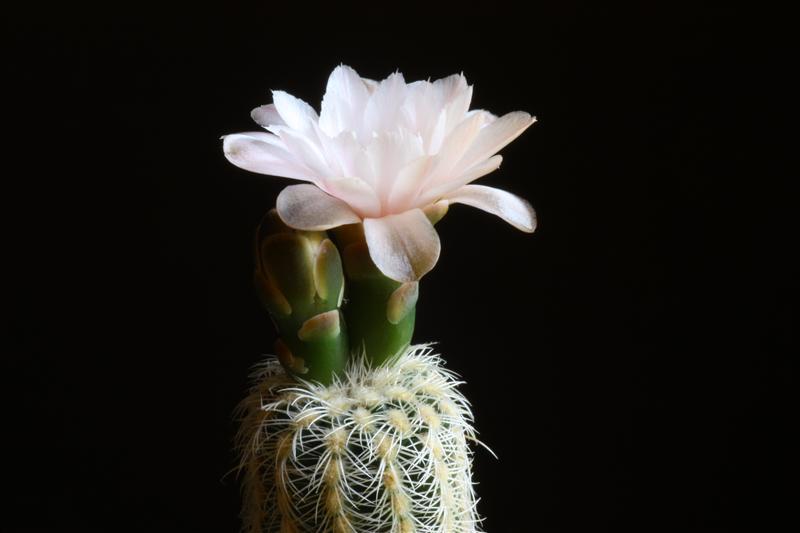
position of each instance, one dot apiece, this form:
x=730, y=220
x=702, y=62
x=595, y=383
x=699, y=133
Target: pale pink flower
x=380, y=153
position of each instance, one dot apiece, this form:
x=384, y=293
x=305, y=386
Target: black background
x=629, y=362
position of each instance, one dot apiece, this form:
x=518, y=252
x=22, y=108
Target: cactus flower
x=390, y=155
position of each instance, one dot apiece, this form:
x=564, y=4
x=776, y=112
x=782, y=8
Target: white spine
x=381, y=450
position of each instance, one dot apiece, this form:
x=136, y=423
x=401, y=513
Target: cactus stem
x=381, y=449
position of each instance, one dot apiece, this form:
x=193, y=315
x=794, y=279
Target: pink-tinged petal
x=457, y=109
x=345, y=156
x=459, y=180
x=405, y=246
x=263, y=153
x=371, y=84
x=511, y=208
x=387, y=153
x=408, y=184
x=358, y=194
x=343, y=104
x=307, y=207
x=420, y=109
x=295, y=113
x=305, y=148
x=384, y=104
x=342, y=153
x=266, y=116
x=478, y=171
x=495, y=136
x=436, y=136
x=455, y=146
x=451, y=88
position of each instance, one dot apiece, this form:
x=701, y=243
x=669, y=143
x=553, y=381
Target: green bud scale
x=299, y=279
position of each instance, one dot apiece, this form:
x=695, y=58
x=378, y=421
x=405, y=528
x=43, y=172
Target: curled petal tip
x=515, y=210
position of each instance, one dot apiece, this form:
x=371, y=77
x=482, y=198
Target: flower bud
x=299, y=279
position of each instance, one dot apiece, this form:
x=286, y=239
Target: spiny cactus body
x=380, y=450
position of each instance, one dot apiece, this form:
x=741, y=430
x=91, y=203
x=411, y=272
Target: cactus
x=299, y=279
x=378, y=450
x=351, y=429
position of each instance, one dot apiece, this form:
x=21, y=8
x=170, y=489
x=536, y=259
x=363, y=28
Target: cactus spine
x=378, y=450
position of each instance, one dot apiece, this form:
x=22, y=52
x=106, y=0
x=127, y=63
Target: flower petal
x=434, y=192
x=511, y=208
x=297, y=114
x=371, y=84
x=408, y=184
x=436, y=136
x=343, y=104
x=457, y=109
x=357, y=193
x=263, y=153
x=404, y=247
x=384, y=104
x=495, y=136
x=455, y=96
x=266, y=116
x=307, y=207
x=457, y=144
x=306, y=149
x=387, y=153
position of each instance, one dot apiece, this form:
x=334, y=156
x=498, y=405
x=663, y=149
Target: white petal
x=435, y=138
x=421, y=109
x=495, y=136
x=457, y=109
x=445, y=186
x=451, y=88
x=343, y=154
x=389, y=152
x=371, y=84
x=295, y=113
x=478, y=171
x=404, y=247
x=408, y=184
x=306, y=149
x=266, y=116
x=384, y=104
x=358, y=194
x=511, y=208
x=307, y=207
x=343, y=104
x=454, y=147
x=263, y=153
